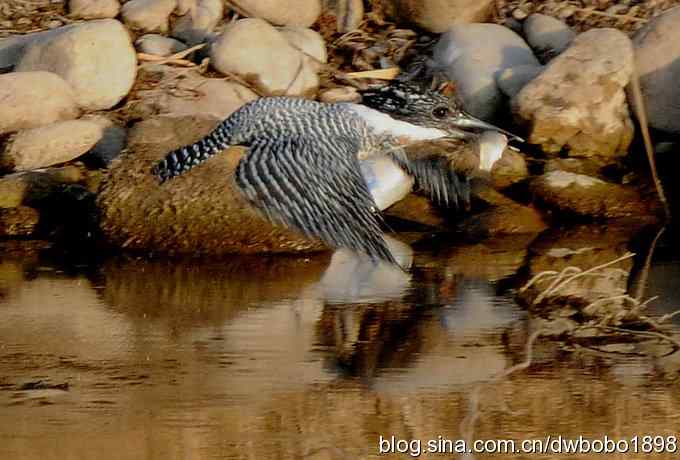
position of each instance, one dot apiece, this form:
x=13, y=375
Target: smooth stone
x=49, y=145
x=512, y=80
x=148, y=15
x=578, y=102
x=472, y=55
x=13, y=47
x=93, y=9
x=159, y=45
x=109, y=147
x=96, y=58
x=32, y=99
x=510, y=219
x=509, y=170
x=307, y=41
x=301, y=13
x=253, y=49
x=196, y=25
x=439, y=15
x=657, y=60
x=547, y=36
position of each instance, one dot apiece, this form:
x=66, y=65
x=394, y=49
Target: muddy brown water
x=306, y=358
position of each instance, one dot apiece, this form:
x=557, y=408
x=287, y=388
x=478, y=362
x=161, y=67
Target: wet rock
x=302, y=13
x=178, y=92
x=472, y=55
x=506, y=219
x=201, y=212
x=439, y=15
x=586, y=166
x=509, y=170
x=49, y=145
x=547, y=36
x=349, y=15
x=96, y=58
x=255, y=50
x=148, y=15
x=159, y=45
x=511, y=81
x=196, y=25
x=307, y=41
x=111, y=144
x=93, y=9
x=578, y=102
x=657, y=59
x=586, y=196
x=416, y=209
x=19, y=221
x=31, y=188
x=32, y=99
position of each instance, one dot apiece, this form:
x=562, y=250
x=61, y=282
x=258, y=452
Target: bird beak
x=464, y=121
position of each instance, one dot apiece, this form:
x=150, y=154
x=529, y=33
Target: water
x=305, y=357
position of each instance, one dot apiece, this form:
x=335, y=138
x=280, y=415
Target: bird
x=326, y=170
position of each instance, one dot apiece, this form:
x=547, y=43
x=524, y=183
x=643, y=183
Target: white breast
x=381, y=123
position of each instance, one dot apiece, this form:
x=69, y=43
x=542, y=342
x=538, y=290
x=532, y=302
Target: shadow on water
x=311, y=357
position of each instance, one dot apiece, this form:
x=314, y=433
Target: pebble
x=159, y=45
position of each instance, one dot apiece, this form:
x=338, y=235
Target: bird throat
x=404, y=132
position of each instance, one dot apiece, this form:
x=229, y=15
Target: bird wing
x=314, y=185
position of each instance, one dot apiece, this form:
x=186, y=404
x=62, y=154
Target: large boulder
x=657, y=59
x=439, y=15
x=472, y=55
x=148, y=15
x=302, y=13
x=578, y=102
x=96, y=58
x=31, y=99
x=255, y=50
x=49, y=145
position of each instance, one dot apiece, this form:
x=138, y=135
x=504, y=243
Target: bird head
x=428, y=108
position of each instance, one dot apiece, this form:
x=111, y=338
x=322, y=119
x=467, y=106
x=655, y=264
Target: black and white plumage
x=303, y=169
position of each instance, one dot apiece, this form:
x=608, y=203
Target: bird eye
x=440, y=112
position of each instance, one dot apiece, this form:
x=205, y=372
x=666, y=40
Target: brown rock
x=438, y=15
x=19, y=221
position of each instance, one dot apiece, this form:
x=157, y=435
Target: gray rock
x=301, y=13
x=159, y=45
x=657, y=59
x=578, y=102
x=209, y=96
x=252, y=48
x=109, y=147
x=93, y=9
x=472, y=55
x=96, y=58
x=32, y=99
x=195, y=26
x=13, y=47
x=148, y=15
x=512, y=80
x=547, y=36
x=49, y=145
x=439, y=15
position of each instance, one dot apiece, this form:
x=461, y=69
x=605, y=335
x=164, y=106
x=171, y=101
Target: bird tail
x=183, y=159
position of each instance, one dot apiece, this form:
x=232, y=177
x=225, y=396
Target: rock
x=340, y=94
x=93, y=9
x=439, y=15
x=30, y=188
x=509, y=170
x=49, y=145
x=159, y=45
x=179, y=92
x=13, y=47
x=547, y=36
x=511, y=81
x=585, y=196
x=307, y=41
x=472, y=55
x=195, y=26
x=148, y=15
x=96, y=58
x=255, y=50
x=416, y=209
x=578, y=102
x=185, y=6
x=657, y=59
x=32, y=99
x=301, y=13
x=19, y=221
x=111, y=144
x=507, y=219
x=349, y=14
